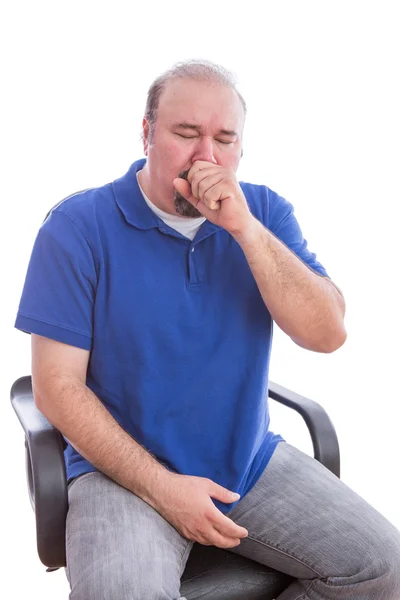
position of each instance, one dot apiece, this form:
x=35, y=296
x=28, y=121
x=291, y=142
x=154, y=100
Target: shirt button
x=192, y=249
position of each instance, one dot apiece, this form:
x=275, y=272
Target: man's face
x=195, y=121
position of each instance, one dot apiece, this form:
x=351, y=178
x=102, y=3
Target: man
x=150, y=302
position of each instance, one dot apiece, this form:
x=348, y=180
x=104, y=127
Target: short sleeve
x=284, y=225
x=59, y=290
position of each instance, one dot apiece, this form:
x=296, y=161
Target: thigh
x=118, y=546
x=304, y=521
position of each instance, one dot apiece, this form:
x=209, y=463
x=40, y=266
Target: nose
x=204, y=150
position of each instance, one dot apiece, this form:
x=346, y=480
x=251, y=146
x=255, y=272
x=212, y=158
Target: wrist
x=249, y=233
x=158, y=487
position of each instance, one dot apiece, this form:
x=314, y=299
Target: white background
x=320, y=79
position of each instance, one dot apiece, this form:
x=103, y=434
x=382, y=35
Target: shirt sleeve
x=59, y=290
x=284, y=225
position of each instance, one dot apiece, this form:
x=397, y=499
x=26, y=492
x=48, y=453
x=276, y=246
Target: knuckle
x=209, y=513
x=200, y=527
x=210, y=196
x=202, y=187
x=197, y=526
x=197, y=176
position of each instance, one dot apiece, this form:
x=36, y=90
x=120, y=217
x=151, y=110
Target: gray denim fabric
x=302, y=520
x=118, y=546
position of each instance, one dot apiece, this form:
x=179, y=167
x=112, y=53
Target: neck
x=144, y=180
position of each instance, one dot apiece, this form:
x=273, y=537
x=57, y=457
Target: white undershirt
x=187, y=226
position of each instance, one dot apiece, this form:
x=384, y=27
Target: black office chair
x=211, y=573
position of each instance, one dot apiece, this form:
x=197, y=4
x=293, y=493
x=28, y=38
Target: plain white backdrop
x=321, y=83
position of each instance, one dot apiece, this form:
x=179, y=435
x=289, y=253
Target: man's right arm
x=61, y=394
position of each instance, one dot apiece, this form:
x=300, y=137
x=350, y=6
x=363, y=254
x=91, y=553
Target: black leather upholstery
x=216, y=574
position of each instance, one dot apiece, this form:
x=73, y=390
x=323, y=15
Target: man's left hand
x=217, y=195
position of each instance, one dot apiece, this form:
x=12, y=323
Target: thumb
x=222, y=494
x=183, y=187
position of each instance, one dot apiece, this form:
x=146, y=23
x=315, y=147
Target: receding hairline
x=196, y=70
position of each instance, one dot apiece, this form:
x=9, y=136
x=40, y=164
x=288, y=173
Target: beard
x=182, y=206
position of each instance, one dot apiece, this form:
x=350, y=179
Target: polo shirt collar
x=129, y=198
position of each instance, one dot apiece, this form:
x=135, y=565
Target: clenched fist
x=215, y=192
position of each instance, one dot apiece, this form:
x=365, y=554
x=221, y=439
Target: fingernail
x=235, y=496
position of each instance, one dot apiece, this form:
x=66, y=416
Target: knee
x=386, y=568
x=128, y=586
x=121, y=590
x=393, y=574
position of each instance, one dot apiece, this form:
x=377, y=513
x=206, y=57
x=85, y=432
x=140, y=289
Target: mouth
x=182, y=206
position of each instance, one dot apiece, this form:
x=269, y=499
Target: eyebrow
x=198, y=128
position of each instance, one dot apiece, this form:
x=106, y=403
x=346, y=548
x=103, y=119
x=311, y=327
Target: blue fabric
x=179, y=335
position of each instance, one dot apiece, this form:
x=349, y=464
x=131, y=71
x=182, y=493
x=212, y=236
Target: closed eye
x=193, y=137
x=187, y=137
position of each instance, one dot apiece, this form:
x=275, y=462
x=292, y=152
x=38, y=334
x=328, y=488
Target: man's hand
x=217, y=195
x=186, y=504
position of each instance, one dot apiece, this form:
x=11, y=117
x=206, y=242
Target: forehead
x=204, y=103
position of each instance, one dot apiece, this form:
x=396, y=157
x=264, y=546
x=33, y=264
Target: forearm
x=305, y=305
x=80, y=416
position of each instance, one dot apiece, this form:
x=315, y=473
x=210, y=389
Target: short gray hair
x=199, y=70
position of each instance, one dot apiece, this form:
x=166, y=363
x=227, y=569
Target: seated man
x=151, y=302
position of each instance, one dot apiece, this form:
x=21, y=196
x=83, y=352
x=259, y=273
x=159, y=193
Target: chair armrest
x=46, y=467
x=323, y=434
x=45, y=473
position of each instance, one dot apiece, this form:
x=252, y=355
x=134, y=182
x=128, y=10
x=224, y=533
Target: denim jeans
x=301, y=519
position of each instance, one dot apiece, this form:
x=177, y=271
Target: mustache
x=184, y=175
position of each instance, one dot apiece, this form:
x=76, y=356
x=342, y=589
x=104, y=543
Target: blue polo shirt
x=178, y=333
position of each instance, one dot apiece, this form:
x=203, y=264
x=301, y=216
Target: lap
x=117, y=545
x=304, y=521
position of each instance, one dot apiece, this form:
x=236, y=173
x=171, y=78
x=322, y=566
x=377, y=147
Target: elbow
x=37, y=395
x=325, y=345
x=39, y=398
x=45, y=393
x=334, y=341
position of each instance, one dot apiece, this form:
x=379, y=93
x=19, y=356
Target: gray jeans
x=302, y=520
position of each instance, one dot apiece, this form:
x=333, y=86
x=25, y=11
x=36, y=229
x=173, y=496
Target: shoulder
x=268, y=206
x=96, y=209
x=84, y=207
x=76, y=224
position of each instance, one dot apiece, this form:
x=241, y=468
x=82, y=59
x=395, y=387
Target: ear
x=146, y=130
